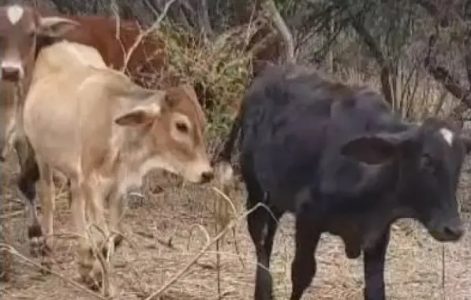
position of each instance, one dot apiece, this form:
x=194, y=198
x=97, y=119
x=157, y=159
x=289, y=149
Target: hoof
x=37, y=242
x=90, y=269
x=91, y=275
x=47, y=263
x=118, y=240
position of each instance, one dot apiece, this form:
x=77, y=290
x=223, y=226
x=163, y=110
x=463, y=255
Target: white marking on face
x=14, y=13
x=448, y=135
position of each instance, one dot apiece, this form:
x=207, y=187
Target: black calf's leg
x=262, y=227
x=374, y=269
x=303, y=267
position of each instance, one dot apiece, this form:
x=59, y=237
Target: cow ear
x=139, y=115
x=379, y=148
x=369, y=149
x=55, y=26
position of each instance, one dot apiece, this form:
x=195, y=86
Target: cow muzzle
x=447, y=231
x=12, y=73
x=199, y=173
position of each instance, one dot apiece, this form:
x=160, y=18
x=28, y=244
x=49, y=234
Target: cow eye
x=182, y=127
x=427, y=163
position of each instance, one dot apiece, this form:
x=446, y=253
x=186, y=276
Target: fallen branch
x=14, y=252
x=210, y=243
x=142, y=35
x=11, y=215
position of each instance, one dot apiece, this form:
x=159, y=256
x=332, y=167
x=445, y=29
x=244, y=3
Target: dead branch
x=203, y=19
x=208, y=245
x=443, y=76
x=15, y=252
x=144, y=34
x=270, y=7
x=467, y=56
x=438, y=14
x=374, y=48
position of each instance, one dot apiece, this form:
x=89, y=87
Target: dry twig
x=208, y=245
x=15, y=252
x=149, y=30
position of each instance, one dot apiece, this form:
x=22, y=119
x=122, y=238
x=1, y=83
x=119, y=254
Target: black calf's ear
x=379, y=148
x=369, y=149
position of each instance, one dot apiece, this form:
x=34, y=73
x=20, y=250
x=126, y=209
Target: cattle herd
x=333, y=155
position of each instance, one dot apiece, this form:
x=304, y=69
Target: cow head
x=428, y=159
x=20, y=29
x=172, y=130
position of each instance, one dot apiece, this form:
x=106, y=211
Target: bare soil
x=163, y=235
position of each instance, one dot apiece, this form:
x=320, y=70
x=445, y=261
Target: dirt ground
x=163, y=235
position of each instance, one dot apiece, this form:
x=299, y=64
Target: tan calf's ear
x=139, y=115
x=55, y=26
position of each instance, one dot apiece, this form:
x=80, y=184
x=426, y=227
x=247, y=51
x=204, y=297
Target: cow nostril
x=11, y=74
x=207, y=176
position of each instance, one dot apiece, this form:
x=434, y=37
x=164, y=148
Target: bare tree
x=270, y=7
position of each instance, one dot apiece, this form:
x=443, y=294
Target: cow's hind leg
x=374, y=269
x=29, y=175
x=262, y=225
x=86, y=258
x=98, y=236
x=303, y=267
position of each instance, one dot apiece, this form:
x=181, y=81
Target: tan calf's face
x=20, y=28
x=173, y=133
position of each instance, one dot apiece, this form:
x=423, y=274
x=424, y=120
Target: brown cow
x=23, y=32
x=20, y=30
x=104, y=132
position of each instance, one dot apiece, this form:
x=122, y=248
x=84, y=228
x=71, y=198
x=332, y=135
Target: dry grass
x=164, y=236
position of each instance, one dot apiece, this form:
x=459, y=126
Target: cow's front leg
x=117, y=206
x=374, y=269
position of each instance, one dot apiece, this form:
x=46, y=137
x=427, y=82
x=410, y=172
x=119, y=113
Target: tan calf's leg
x=97, y=236
x=117, y=206
x=46, y=193
x=100, y=232
x=85, y=257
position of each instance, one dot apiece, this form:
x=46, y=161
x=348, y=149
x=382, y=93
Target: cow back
x=294, y=124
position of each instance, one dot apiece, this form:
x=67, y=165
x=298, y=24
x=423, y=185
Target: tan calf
x=105, y=133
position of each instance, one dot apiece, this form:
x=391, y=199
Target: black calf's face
x=439, y=167
x=430, y=159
